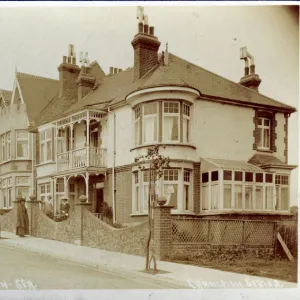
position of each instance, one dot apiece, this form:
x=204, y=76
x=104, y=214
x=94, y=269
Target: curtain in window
x=150, y=129
x=227, y=196
x=49, y=150
x=249, y=197
x=171, y=128
x=259, y=197
x=266, y=138
x=214, y=196
x=186, y=196
x=284, y=198
x=269, y=198
x=238, y=196
x=185, y=129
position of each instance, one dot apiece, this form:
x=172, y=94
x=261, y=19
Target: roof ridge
x=36, y=76
x=6, y=91
x=228, y=80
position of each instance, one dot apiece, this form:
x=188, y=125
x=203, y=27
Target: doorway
x=99, y=200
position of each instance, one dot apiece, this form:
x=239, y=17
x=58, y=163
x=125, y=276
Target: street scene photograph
x=149, y=147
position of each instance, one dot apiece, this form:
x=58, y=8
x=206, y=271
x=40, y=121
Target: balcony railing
x=81, y=158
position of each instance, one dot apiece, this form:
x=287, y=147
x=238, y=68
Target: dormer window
x=264, y=128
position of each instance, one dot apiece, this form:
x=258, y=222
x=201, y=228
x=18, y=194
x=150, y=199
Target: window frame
x=171, y=114
x=22, y=139
x=155, y=117
x=264, y=127
x=44, y=141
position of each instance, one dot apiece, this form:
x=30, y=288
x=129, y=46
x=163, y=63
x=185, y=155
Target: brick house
x=18, y=108
x=228, y=144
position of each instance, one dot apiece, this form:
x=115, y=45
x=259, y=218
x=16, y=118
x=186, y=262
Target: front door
x=99, y=200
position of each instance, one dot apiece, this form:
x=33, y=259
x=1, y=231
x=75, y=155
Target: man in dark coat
x=22, y=219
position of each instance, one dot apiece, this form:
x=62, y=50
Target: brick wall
x=8, y=221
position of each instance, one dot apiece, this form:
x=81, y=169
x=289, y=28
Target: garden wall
x=8, y=221
x=98, y=234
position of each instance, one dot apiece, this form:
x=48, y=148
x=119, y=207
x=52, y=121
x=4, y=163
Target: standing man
x=22, y=219
x=48, y=207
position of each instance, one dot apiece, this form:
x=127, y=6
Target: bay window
x=150, y=122
x=22, y=144
x=46, y=145
x=22, y=187
x=8, y=146
x=175, y=185
x=171, y=122
x=161, y=121
x=3, y=148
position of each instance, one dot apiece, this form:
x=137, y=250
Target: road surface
x=24, y=270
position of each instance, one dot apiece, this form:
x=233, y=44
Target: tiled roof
x=225, y=164
x=6, y=96
x=37, y=92
x=263, y=159
x=179, y=72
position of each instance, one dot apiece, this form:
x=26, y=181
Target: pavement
x=172, y=275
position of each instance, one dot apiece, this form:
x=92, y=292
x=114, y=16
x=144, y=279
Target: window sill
x=264, y=150
x=163, y=144
x=182, y=213
x=136, y=214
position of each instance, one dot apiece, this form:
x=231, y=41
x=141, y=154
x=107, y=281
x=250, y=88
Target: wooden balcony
x=81, y=158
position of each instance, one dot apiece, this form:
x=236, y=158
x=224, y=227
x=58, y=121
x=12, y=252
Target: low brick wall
x=46, y=228
x=130, y=240
x=8, y=221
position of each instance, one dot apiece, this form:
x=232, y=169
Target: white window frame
x=8, y=145
x=170, y=114
x=22, y=185
x=151, y=116
x=3, y=148
x=137, y=125
x=190, y=186
x=22, y=139
x=6, y=192
x=263, y=127
x=186, y=115
x=44, y=140
x=46, y=192
x=177, y=182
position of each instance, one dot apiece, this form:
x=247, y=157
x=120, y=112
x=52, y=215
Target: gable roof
x=37, y=92
x=263, y=159
x=6, y=95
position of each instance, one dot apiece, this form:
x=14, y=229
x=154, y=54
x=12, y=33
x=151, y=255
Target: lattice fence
x=222, y=232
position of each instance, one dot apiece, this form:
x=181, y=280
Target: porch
x=80, y=141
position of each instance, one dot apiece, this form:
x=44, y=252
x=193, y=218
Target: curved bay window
x=162, y=121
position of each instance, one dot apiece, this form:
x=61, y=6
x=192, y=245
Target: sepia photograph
x=148, y=146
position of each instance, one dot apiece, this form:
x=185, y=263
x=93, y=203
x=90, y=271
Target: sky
x=34, y=39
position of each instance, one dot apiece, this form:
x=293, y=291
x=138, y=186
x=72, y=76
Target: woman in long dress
x=22, y=220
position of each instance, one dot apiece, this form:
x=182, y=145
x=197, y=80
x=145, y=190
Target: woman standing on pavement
x=22, y=219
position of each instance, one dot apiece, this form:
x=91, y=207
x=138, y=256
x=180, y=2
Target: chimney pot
x=74, y=60
x=120, y=70
x=64, y=59
x=115, y=70
x=140, y=28
x=252, y=69
x=69, y=59
x=151, y=28
x=146, y=29
x=111, y=70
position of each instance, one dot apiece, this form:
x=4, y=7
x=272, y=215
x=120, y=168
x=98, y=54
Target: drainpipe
x=114, y=164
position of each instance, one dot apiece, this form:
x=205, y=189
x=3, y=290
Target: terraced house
x=18, y=108
x=227, y=143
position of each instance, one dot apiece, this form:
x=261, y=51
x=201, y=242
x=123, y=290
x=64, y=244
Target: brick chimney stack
x=68, y=73
x=145, y=46
x=250, y=79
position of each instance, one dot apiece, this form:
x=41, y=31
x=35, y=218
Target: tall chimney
x=68, y=73
x=145, y=47
x=250, y=79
